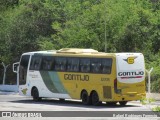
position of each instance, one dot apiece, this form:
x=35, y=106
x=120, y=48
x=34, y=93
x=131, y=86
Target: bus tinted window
x=24, y=61
x=47, y=63
x=106, y=65
x=60, y=63
x=73, y=65
x=96, y=65
x=23, y=69
x=85, y=65
x=35, y=63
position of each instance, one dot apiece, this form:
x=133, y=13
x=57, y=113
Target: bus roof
x=76, y=52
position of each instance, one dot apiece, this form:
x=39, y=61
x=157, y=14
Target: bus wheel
x=35, y=94
x=95, y=98
x=85, y=98
x=123, y=103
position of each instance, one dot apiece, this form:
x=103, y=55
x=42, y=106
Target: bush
x=157, y=109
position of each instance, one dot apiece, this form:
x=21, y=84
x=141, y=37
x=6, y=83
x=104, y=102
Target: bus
x=83, y=74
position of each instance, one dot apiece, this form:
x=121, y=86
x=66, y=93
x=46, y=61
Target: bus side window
x=47, y=63
x=85, y=65
x=35, y=63
x=60, y=63
x=73, y=64
x=106, y=65
x=96, y=65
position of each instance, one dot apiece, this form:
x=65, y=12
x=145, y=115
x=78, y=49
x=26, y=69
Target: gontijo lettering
x=130, y=73
x=76, y=77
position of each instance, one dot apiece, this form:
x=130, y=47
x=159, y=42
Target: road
x=15, y=102
x=23, y=103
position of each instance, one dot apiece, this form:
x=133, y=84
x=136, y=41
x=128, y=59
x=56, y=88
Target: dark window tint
x=23, y=69
x=85, y=65
x=60, y=63
x=106, y=65
x=96, y=65
x=47, y=63
x=25, y=61
x=35, y=63
x=73, y=65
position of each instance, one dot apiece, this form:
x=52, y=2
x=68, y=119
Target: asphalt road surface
x=22, y=103
x=15, y=102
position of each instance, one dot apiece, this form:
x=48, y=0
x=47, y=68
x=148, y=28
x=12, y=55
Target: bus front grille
x=107, y=92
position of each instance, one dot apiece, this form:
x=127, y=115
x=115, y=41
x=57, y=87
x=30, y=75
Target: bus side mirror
x=16, y=67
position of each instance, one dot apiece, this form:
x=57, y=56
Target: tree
x=131, y=26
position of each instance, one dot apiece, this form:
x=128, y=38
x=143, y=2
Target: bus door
x=23, y=68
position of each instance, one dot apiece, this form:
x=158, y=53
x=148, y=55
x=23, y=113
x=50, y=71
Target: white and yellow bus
x=83, y=74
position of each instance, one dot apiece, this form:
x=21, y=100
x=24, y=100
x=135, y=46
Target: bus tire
x=123, y=103
x=85, y=98
x=95, y=98
x=35, y=94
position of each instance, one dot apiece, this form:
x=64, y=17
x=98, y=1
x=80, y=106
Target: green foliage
x=5, y=4
x=131, y=26
x=157, y=109
x=153, y=60
x=45, y=43
x=145, y=100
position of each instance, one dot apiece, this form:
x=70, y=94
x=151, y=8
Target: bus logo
x=130, y=60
